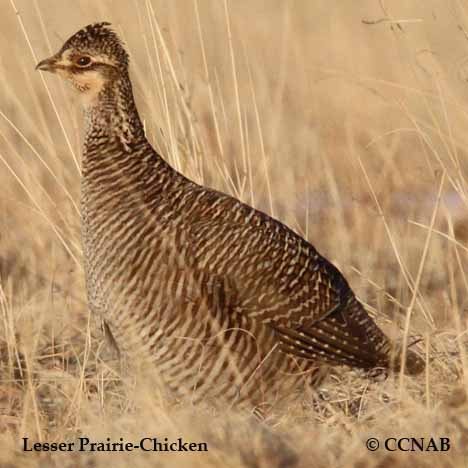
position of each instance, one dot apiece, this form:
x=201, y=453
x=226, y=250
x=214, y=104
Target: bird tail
x=414, y=364
x=348, y=335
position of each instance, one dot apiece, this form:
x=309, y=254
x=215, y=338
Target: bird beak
x=48, y=64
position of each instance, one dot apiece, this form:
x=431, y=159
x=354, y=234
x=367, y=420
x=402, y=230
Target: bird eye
x=83, y=61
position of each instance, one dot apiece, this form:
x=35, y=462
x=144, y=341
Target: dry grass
x=351, y=132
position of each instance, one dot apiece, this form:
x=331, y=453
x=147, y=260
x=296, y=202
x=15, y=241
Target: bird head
x=90, y=60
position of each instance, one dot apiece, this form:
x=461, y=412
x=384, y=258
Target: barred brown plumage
x=223, y=299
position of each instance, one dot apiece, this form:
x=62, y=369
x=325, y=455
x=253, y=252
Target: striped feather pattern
x=223, y=300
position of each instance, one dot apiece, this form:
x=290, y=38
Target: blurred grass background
x=344, y=119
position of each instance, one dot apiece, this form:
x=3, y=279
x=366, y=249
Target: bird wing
x=282, y=281
x=277, y=277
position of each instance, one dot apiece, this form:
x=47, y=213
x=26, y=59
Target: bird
x=223, y=301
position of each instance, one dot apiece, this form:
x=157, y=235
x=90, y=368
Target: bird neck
x=112, y=118
x=115, y=142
